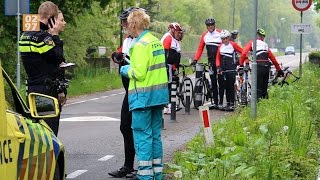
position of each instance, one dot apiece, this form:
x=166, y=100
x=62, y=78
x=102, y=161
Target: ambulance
x=29, y=149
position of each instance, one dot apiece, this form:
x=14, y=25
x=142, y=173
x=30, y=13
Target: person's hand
x=194, y=62
x=55, y=29
x=280, y=73
x=62, y=99
x=124, y=70
x=219, y=70
x=117, y=57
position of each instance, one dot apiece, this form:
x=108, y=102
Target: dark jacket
x=41, y=54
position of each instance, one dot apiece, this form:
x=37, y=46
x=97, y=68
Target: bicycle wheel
x=183, y=94
x=243, y=100
x=200, y=91
x=236, y=94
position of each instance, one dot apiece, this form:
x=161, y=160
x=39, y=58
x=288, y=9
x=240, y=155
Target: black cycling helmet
x=124, y=15
x=261, y=32
x=210, y=21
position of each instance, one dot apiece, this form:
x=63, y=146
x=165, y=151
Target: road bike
x=242, y=87
x=202, y=89
x=182, y=87
x=284, y=79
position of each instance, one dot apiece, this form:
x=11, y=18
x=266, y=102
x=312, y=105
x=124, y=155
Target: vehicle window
x=13, y=99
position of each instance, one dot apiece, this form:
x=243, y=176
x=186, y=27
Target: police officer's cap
x=124, y=15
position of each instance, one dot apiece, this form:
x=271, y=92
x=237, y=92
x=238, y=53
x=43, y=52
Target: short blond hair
x=140, y=18
x=48, y=9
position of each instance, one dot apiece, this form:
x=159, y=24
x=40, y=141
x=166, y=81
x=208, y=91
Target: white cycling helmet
x=224, y=34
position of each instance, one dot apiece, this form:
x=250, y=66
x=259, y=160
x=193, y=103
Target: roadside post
x=197, y=88
x=188, y=96
x=207, y=130
x=302, y=29
x=173, y=100
x=16, y=8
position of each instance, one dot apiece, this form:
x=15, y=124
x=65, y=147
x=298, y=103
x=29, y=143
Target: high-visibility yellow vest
x=148, y=76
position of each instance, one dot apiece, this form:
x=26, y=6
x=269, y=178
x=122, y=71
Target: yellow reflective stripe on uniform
x=156, y=66
x=157, y=169
x=148, y=89
x=145, y=163
x=145, y=172
x=157, y=161
x=27, y=46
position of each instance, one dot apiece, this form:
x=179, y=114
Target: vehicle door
x=31, y=148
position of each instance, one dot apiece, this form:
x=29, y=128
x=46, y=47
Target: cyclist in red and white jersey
x=225, y=62
x=264, y=59
x=211, y=39
x=172, y=46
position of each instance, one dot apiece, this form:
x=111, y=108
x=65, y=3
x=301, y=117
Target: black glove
x=117, y=57
x=280, y=73
x=219, y=70
x=194, y=62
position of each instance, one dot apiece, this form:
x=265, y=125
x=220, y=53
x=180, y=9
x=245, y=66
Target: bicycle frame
x=205, y=90
x=243, y=89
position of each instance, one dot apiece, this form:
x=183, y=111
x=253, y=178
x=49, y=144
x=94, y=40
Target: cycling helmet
x=224, y=34
x=175, y=26
x=209, y=21
x=234, y=32
x=261, y=32
x=124, y=15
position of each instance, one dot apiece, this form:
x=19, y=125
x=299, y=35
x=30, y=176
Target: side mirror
x=43, y=106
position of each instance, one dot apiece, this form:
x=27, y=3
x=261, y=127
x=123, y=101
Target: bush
x=314, y=57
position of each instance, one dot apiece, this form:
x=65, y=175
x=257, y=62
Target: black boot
x=122, y=172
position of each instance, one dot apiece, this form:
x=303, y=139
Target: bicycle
x=202, y=89
x=242, y=88
x=181, y=90
x=283, y=79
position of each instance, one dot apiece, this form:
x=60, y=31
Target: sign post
x=301, y=5
x=16, y=8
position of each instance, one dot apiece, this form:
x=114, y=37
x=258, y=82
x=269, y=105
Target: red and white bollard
x=207, y=130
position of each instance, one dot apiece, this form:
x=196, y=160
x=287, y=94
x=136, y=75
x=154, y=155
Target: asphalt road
x=89, y=129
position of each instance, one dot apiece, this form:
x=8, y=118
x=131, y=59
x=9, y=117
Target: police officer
x=41, y=53
x=126, y=116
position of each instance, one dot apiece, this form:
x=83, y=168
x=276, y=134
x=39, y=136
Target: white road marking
x=89, y=118
x=94, y=99
x=76, y=173
x=105, y=158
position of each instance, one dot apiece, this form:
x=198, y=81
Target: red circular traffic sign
x=301, y=5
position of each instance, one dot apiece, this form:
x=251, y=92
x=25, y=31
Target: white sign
x=301, y=28
x=301, y=5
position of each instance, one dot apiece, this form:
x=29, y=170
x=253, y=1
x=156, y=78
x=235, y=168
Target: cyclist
x=234, y=35
x=172, y=46
x=225, y=61
x=264, y=56
x=211, y=39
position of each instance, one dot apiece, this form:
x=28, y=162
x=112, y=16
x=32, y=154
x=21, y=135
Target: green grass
x=281, y=143
x=91, y=81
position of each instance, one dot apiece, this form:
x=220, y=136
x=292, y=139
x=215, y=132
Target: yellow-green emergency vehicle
x=29, y=150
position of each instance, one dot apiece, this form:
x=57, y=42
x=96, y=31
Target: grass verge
x=281, y=143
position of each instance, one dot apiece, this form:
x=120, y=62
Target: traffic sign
x=30, y=22
x=301, y=28
x=301, y=5
x=11, y=7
